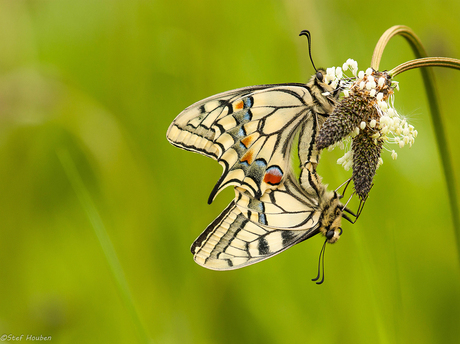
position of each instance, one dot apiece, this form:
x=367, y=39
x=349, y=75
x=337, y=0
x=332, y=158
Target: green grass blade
x=443, y=148
x=104, y=240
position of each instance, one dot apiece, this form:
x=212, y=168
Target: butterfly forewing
x=194, y=128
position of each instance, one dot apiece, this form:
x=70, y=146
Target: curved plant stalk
x=402, y=30
x=446, y=62
x=430, y=88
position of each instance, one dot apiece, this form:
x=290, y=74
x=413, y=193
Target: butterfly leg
x=359, y=211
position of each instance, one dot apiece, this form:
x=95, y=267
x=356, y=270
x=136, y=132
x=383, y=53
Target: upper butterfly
x=250, y=132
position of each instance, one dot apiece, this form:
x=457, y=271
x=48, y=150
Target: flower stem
x=402, y=30
x=446, y=62
x=430, y=88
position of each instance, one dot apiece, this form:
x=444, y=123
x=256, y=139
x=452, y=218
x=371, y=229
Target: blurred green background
x=100, y=81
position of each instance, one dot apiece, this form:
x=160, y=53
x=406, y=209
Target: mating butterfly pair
x=250, y=132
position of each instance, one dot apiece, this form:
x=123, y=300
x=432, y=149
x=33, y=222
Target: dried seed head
x=366, y=155
x=356, y=107
x=347, y=115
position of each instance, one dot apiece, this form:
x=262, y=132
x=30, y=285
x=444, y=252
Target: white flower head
x=338, y=73
x=351, y=65
x=346, y=160
x=383, y=105
x=385, y=126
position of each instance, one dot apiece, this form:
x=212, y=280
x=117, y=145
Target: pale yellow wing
x=250, y=230
x=249, y=131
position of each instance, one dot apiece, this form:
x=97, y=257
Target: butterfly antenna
x=308, y=35
x=321, y=264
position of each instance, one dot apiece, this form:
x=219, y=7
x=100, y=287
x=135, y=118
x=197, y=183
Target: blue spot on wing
x=275, y=169
x=262, y=219
x=261, y=163
x=248, y=102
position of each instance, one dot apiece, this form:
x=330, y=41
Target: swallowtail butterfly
x=250, y=132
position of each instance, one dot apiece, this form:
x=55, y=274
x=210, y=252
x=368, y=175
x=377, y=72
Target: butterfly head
x=331, y=220
x=320, y=76
x=326, y=91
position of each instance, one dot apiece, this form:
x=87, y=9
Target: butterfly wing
x=248, y=131
x=250, y=230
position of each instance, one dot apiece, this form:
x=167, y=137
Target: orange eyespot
x=273, y=175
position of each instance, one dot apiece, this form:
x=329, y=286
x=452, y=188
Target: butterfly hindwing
x=250, y=230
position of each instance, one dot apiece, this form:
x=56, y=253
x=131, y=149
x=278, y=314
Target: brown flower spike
x=364, y=115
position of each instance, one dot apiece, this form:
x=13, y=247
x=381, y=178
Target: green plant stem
x=428, y=79
x=104, y=240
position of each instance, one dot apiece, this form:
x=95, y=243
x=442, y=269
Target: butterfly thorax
x=324, y=94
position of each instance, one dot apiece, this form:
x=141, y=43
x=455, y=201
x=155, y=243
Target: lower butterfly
x=250, y=230
x=250, y=132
